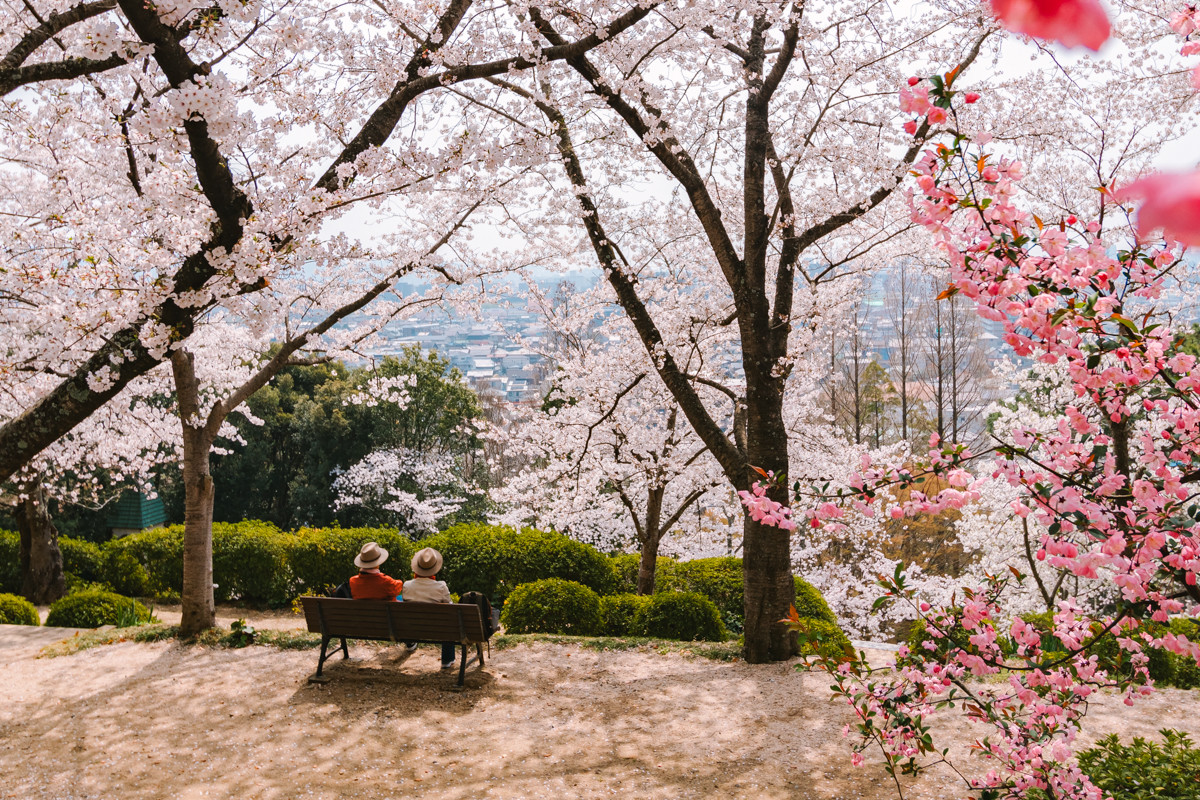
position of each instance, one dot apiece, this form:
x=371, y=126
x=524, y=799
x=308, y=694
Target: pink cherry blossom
x=1172, y=203
x=1070, y=22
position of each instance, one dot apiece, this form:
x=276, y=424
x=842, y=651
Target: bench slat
x=368, y=619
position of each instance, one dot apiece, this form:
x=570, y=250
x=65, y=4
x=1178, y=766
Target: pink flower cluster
x=1108, y=480
x=1071, y=22
x=766, y=511
x=1186, y=23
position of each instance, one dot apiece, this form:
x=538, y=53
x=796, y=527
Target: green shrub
x=1187, y=674
x=322, y=558
x=81, y=559
x=552, y=605
x=685, y=616
x=718, y=579
x=145, y=564
x=820, y=637
x=626, y=566
x=93, y=608
x=10, y=561
x=16, y=610
x=1145, y=770
x=495, y=560
x=624, y=614
x=250, y=563
x=810, y=604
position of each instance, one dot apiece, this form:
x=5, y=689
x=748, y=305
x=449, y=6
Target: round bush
x=624, y=614
x=685, y=616
x=552, y=605
x=95, y=607
x=823, y=638
x=718, y=579
x=16, y=610
x=810, y=604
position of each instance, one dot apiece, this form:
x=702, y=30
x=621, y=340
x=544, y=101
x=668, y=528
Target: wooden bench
x=389, y=621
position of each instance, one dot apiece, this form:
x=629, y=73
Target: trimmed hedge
x=95, y=607
x=16, y=610
x=322, y=558
x=10, y=562
x=684, y=616
x=81, y=559
x=626, y=565
x=552, y=605
x=718, y=579
x=250, y=563
x=496, y=560
x=624, y=614
x=146, y=564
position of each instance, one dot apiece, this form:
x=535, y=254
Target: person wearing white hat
x=426, y=588
x=370, y=583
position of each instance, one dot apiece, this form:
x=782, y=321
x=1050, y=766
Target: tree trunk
x=646, y=567
x=651, y=536
x=766, y=550
x=199, y=609
x=769, y=589
x=42, y=579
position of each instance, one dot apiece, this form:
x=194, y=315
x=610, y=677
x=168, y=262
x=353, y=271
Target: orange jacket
x=375, y=586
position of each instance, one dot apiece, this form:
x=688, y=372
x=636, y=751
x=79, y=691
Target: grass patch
x=303, y=640
x=717, y=651
x=86, y=641
x=213, y=637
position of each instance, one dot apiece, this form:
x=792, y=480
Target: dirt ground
x=538, y=721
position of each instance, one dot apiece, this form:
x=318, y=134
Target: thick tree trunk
x=42, y=579
x=646, y=567
x=766, y=549
x=199, y=609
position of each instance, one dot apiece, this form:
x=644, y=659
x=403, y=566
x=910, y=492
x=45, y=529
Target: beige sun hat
x=370, y=556
x=426, y=563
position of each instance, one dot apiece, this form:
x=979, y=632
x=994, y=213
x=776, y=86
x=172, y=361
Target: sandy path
x=546, y=721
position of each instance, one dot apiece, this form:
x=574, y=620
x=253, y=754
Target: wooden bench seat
x=389, y=621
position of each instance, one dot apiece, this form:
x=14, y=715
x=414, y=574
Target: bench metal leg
x=321, y=662
x=462, y=664
x=345, y=652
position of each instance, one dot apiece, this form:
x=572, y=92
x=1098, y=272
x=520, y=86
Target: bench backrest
x=392, y=621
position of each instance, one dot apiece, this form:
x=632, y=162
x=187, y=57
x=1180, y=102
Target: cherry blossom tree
x=1107, y=476
x=120, y=446
x=617, y=461
x=162, y=161
x=765, y=129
